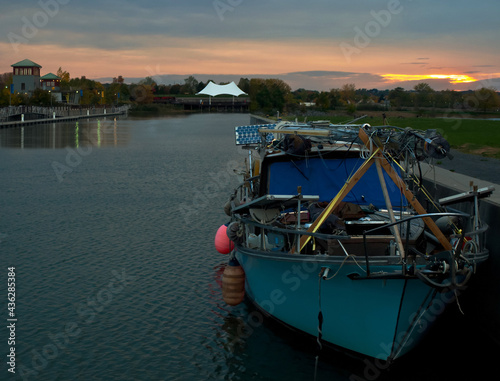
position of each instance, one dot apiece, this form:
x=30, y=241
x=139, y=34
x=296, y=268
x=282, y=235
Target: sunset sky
x=316, y=44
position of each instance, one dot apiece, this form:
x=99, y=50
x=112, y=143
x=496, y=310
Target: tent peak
x=230, y=89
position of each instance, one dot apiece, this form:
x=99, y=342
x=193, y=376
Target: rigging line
x=399, y=316
x=349, y=256
x=298, y=169
x=417, y=317
x=400, y=182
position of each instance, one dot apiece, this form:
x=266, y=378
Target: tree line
x=266, y=95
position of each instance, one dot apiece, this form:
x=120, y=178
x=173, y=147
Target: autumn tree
x=348, y=93
x=65, y=78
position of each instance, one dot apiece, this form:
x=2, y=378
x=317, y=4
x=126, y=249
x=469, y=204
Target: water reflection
x=85, y=132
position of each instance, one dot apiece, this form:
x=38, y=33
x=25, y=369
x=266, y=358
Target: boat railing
x=401, y=221
x=296, y=232
x=290, y=231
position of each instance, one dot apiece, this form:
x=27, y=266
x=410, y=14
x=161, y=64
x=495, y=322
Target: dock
x=204, y=103
x=37, y=115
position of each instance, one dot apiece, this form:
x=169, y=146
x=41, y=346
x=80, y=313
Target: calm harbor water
x=110, y=225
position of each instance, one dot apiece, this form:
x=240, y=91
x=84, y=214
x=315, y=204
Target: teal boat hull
x=382, y=317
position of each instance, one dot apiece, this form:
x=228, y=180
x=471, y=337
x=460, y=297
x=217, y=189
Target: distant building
x=50, y=82
x=26, y=76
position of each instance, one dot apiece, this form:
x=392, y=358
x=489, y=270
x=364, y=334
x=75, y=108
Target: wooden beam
x=416, y=205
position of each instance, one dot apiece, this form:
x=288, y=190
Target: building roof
x=213, y=89
x=50, y=76
x=25, y=63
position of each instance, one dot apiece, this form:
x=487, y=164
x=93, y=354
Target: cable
x=320, y=329
x=342, y=265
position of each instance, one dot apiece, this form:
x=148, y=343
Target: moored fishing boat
x=329, y=227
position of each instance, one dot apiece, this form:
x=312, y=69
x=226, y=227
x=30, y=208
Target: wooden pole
x=388, y=204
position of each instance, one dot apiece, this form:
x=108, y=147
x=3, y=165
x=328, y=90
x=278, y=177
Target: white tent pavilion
x=212, y=90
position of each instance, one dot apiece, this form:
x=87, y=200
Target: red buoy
x=233, y=283
x=222, y=243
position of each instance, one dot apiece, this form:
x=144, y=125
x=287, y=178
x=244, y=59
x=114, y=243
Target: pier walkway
x=24, y=116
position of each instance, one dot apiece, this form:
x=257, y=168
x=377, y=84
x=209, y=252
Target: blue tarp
x=326, y=177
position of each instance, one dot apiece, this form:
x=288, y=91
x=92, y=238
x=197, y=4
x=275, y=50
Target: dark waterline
x=110, y=227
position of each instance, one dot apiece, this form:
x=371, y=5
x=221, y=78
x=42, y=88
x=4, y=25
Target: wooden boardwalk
x=57, y=119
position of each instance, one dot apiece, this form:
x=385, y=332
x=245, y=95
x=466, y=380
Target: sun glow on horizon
x=453, y=78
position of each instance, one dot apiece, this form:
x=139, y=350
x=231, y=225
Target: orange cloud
x=453, y=78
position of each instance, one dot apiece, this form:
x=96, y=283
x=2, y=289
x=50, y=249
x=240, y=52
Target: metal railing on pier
x=13, y=115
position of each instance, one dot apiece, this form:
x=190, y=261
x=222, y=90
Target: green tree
x=111, y=93
x=175, y=89
x=6, y=98
x=335, y=98
x=200, y=86
x=42, y=98
x=190, y=85
x=423, y=96
x=399, y=97
x=323, y=101
x=244, y=84
x=269, y=95
x=487, y=99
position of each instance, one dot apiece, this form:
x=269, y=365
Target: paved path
x=457, y=174
x=484, y=168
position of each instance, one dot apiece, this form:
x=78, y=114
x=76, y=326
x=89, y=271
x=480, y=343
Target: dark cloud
x=427, y=27
x=256, y=19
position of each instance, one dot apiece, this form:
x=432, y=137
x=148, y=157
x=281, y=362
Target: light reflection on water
x=85, y=132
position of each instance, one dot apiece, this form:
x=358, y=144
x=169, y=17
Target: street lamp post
x=10, y=95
